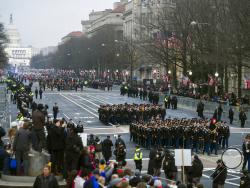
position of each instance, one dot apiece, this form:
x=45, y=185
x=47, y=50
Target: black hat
x=40, y=106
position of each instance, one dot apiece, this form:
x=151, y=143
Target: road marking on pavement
x=230, y=183
x=91, y=117
x=109, y=133
x=100, y=100
x=79, y=105
x=88, y=101
x=231, y=179
x=239, y=130
x=68, y=117
x=89, y=128
x=86, y=105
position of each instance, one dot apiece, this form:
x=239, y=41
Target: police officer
x=138, y=158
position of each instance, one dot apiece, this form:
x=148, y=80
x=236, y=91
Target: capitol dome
x=14, y=39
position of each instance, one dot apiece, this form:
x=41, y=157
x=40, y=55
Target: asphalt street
x=83, y=105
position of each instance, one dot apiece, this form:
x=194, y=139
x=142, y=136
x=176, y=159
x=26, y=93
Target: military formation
x=202, y=136
x=142, y=93
x=64, y=80
x=128, y=113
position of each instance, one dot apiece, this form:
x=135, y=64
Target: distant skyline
x=43, y=23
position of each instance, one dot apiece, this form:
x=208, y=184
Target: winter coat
x=230, y=114
x=38, y=119
x=196, y=168
x=220, y=175
x=22, y=140
x=158, y=159
x=245, y=149
x=85, y=162
x=73, y=146
x=151, y=163
x=169, y=164
x=56, y=138
x=242, y=116
x=119, y=141
x=107, y=147
x=42, y=181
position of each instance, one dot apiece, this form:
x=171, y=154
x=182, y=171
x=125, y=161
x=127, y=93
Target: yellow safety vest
x=20, y=118
x=138, y=155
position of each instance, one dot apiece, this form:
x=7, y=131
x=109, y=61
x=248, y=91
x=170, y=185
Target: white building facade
x=108, y=18
x=17, y=55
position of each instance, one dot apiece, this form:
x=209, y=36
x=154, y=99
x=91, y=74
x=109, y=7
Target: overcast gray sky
x=44, y=22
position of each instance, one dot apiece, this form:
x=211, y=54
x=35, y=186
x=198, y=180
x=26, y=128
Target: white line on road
x=68, y=117
x=87, y=101
x=86, y=105
x=79, y=105
x=98, y=128
x=100, y=100
x=231, y=179
x=108, y=133
x=230, y=183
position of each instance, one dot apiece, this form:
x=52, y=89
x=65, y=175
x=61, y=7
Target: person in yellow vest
x=138, y=158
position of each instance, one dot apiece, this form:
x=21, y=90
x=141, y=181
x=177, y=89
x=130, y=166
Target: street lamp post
x=126, y=74
x=216, y=81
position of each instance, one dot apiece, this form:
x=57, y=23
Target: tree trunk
x=131, y=71
x=226, y=79
x=175, y=75
x=184, y=57
x=239, y=73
